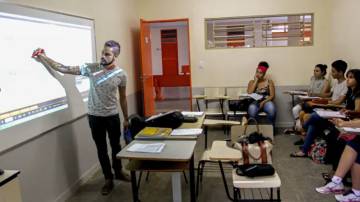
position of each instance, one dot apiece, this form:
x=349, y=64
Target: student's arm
x=272, y=94
x=326, y=91
x=123, y=105
x=339, y=101
x=50, y=63
x=341, y=123
x=252, y=86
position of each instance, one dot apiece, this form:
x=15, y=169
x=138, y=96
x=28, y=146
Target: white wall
x=345, y=29
x=183, y=53
x=52, y=164
x=234, y=67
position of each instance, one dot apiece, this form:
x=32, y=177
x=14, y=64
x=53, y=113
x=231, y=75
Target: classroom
x=287, y=70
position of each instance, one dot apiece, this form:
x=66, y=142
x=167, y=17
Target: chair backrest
x=214, y=92
x=238, y=130
x=235, y=92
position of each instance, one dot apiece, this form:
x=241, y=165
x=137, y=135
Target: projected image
x=27, y=89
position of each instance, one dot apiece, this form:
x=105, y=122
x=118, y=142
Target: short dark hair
x=322, y=68
x=340, y=66
x=263, y=63
x=115, y=47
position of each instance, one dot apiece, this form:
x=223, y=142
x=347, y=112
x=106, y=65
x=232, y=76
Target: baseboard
x=74, y=187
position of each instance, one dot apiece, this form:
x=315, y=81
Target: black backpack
x=171, y=119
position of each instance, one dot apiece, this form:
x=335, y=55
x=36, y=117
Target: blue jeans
x=315, y=125
x=269, y=109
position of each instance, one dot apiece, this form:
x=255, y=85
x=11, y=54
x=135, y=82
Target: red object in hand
x=36, y=53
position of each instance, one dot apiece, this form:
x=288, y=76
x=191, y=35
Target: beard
x=103, y=62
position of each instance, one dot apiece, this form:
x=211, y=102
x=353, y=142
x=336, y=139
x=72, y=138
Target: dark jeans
x=314, y=126
x=99, y=126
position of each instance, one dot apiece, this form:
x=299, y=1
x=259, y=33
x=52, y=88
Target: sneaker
x=122, y=176
x=347, y=197
x=108, y=187
x=331, y=187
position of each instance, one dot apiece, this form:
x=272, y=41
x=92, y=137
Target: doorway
x=166, y=72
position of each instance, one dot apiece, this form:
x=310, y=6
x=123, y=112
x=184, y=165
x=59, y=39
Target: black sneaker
x=299, y=142
x=122, y=176
x=108, y=187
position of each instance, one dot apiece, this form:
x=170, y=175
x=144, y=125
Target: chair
x=234, y=94
x=243, y=182
x=213, y=99
x=220, y=153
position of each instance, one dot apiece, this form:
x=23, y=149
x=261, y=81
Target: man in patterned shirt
x=106, y=78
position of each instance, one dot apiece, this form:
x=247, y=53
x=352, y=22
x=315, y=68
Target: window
x=264, y=31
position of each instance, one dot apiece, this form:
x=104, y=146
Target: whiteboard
x=33, y=99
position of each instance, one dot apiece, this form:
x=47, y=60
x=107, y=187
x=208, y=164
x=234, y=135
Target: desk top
x=173, y=151
x=220, y=151
x=8, y=176
x=197, y=124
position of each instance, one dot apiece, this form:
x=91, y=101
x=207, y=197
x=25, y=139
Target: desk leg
x=134, y=186
x=198, y=105
x=292, y=100
x=192, y=179
x=206, y=133
x=176, y=186
x=224, y=180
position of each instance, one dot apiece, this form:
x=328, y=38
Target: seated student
x=316, y=124
x=265, y=87
x=319, y=86
x=337, y=93
x=350, y=160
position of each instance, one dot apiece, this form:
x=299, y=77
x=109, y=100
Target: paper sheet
x=146, y=148
x=186, y=132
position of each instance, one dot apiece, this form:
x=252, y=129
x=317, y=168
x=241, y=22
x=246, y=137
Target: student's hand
x=344, y=111
x=338, y=122
x=261, y=105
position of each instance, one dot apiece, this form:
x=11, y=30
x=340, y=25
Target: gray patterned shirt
x=103, y=100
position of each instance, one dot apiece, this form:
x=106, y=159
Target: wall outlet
x=201, y=64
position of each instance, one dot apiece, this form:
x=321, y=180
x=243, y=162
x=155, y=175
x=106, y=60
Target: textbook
x=153, y=133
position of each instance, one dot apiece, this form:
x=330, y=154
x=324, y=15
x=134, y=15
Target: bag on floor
x=317, y=151
x=255, y=170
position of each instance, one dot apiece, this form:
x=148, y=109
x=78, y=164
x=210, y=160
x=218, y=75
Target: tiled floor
x=299, y=178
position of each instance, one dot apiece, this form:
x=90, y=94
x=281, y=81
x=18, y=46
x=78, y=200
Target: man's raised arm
x=40, y=56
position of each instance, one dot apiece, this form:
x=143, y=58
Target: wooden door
x=146, y=69
x=169, y=50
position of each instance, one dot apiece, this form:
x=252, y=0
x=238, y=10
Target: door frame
x=189, y=53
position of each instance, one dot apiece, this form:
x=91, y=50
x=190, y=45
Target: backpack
x=136, y=124
x=317, y=151
x=171, y=119
x=239, y=105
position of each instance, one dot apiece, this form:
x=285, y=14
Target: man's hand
x=36, y=53
x=126, y=124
